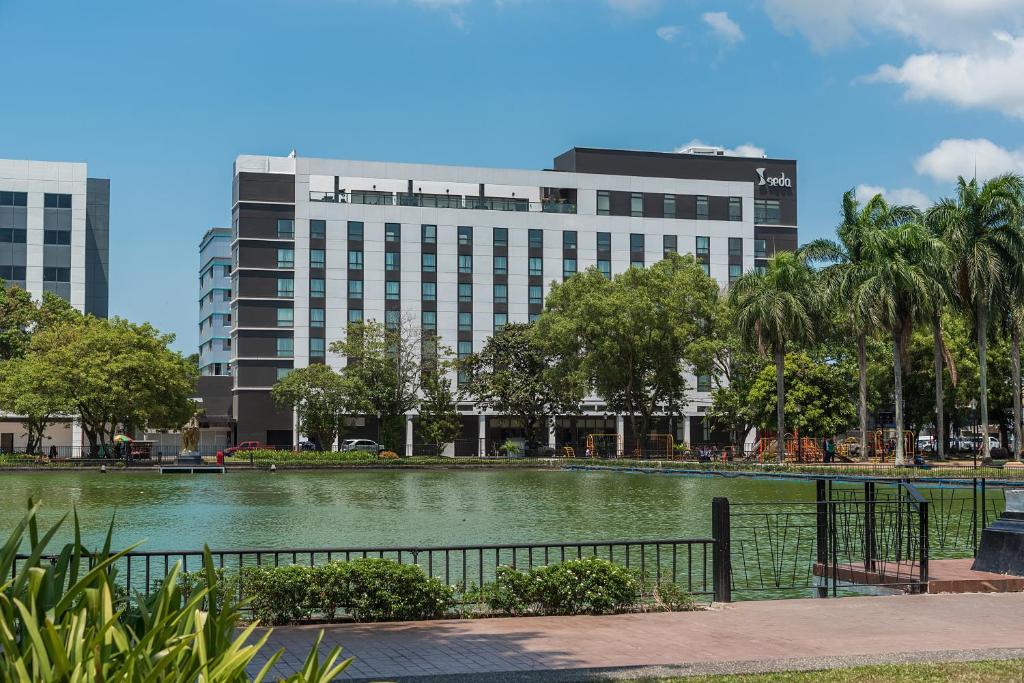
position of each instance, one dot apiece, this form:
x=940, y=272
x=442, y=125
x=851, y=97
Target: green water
x=360, y=509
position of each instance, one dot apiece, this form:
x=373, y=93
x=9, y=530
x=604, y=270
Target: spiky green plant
x=62, y=619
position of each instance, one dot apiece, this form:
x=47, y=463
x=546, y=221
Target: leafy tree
x=981, y=226
x=319, y=396
x=21, y=316
x=632, y=338
x=817, y=396
x=777, y=309
x=514, y=374
x=439, y=420
x=383, y=371
x=35, y=391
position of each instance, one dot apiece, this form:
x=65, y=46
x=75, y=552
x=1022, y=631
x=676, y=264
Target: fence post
x=923, y=544
x=984, y=506
x=974, y=516
x=870, y=542
x=821, y=513
x=721, y=563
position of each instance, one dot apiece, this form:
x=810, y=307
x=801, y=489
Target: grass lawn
x=952, y=672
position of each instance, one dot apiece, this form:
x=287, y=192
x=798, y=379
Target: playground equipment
x=658, y=446
x=568, y=452
x=604, y=445
x=796, y=449
x=884, y=448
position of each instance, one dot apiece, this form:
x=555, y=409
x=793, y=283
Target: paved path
x=741, y=637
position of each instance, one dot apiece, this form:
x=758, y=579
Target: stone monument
x=1002, y=543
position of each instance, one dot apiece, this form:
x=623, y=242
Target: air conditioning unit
x=705, y=151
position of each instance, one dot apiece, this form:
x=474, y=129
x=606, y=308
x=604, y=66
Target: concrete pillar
x=686, y=430
x=620, y=440
x=76, y=439
x=552, y=436
x=481, y=435
x=408, y=436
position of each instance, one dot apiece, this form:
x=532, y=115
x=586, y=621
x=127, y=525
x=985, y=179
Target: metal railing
x=442, y=201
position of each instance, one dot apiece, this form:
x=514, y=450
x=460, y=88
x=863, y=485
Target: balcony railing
x=442, y=201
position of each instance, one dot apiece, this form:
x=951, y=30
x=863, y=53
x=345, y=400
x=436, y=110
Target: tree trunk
x=897, y=370
x=862, y=371
x=940, y=396
x=983, y=374
x=1015, y=354
x=780, y=404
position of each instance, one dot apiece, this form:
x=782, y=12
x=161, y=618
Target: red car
x=244, y=446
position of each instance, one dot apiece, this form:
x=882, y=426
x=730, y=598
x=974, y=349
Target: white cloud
x=745, y=150
x=969, y=158
x=899, y=195
x=669, y=33
x=724, y=28
x=991, y=79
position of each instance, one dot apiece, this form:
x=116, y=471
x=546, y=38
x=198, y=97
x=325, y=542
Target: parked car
x=244, y=446
x=307, y=445
x=364, y=445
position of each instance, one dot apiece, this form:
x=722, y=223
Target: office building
x=215, y=302
x=320, y=243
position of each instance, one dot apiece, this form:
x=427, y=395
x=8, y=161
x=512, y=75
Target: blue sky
x=897, y=97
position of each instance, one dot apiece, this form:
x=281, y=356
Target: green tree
x=633, y=338
x=777, y=309
x=35, y=392
x=439, y=420
x=817, y=396
x=514, y=374
x=21, y=316
x=319, y=396
x=981, y=226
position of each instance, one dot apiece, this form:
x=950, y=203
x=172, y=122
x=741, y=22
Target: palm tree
x=775, y=309
x=848, y=270
x=1014, y=320
x=902, y=287
x=982, y=228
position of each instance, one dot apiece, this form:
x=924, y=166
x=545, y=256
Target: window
x=285, y=287
x=604, y=241
x=10, y=273
x=429, y=263
x=760, y=248
x=316, y=347
x=56, y=237
x=317, y=287
x=285, y=317
x=17, y=236
x=533, y=316
x=317, y=258
x=392, y=290
x=429, y=291
x=568, y=239
x=735, y=209
x=428, y=233
x=285, y=347
x=282, y=373
x=501, y=265
x=500, y=320
x=636, y=242
x=536, y=294
x=636, y=204
x=392, y=232
x=760, y=270
x=392, y=320
x=703, y=246
x=536, y=266
x=735, y=270
x=285, y=258
x=736, y=246
x=428, y=321
x=56, y=274
x=670, y=245
x=316, y=317
x=501, y=294
x=392, y=261
x=466, y=264
x=355, y=260
x=57, y=201
x=13, y=199
x=465, y=322
x=465, y=236
x=355, y=231
x=465, y=351
x=465, y=293
x=604, y=203
x=355, y=315
x=285, y=228
x=227, y=270
x=605, y=266
x=702, y=206
x=706, y=268
x=536, y=238
x=568, y=268
x=669, y=208
x=501, y=237
x=704, y=383
x=767, y=211
x=637, y=262
x=318, y=229
x=355, y=289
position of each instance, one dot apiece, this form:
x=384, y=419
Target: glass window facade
x=465, y=293
x=736, y=246
x=670, y=244
x=285, y=287
x=355, y=260
x=735, y=209
x=767, y=211
x=568, y=267
x=392, y=261
x=636, y=204
x=636, y=242
x=604, y=203
x=355, y=289
x=317, y=347
x=605, y=266
x=285, y=347
x=536, y=238
x=500, y=320
x=536, y=265
x=604, y=241
x=501, y=237
x=568, y=239
x=392, y=290
x=285, y=228
x=760, y=248
x=703, y=246
x=428, y=234
x=285, y=317
x=501, y=294
x=702, y=207
x=429, y=291
x=536, y=294
x=501, y=265
x=465, y=322
x=428, y=321
x=316, y=317
x=429, y=263
x=669, y=206
x=355, y=230
x=465, y=236
x=318, y=229
x=393, y=232
x=466, y=264
x=317, y=287
x=317, y=258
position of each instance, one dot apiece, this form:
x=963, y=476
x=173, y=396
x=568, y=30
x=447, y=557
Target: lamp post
x=974, y=416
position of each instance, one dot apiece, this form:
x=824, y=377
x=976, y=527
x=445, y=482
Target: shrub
x=383, y=590
x=388, y=455
x=277, y=595
x=672, y=598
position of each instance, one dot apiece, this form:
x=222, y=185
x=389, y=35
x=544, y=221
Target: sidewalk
x=740, y=637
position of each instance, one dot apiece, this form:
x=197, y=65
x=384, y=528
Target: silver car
x=364, y=445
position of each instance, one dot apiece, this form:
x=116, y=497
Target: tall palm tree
x=981, y=225
x=849, y=267
x=777, y=308
x=903, y=287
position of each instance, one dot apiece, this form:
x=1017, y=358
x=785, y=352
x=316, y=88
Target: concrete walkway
x=735, y=638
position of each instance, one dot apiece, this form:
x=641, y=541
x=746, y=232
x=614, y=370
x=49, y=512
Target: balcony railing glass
x=442, y=201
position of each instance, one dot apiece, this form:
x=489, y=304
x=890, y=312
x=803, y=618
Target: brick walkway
x=747, y=636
